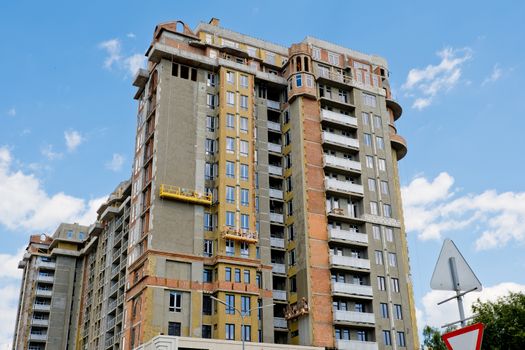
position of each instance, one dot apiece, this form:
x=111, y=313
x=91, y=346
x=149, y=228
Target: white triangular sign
x=467, y=338
x=442, y=276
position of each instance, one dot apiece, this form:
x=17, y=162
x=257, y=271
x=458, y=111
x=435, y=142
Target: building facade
x=266, y=177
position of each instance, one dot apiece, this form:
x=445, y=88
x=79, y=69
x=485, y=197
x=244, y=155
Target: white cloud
x=116, y=162
x=496, y=74
x=438, y=315
x=113, y=48
x=24, y=204
x=48, y=152
x=131, y=35
x=73, y=139
x=9, y=264
x=11, y=112
x=8, y=306
x=433, y=208
x=425, y=84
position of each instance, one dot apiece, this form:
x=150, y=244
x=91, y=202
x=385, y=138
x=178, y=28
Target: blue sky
x=67, y=117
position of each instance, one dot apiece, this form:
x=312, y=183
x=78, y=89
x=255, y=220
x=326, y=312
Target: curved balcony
x=395, y=107
x=399, y=144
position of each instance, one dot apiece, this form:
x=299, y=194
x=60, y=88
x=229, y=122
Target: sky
x=67, y=118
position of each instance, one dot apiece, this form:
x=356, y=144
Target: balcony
x=351, y=289
x=37, y=337
x=275, y=170
x=349, y=262
x=279, y=294
x=44, y=278
x=395, y=107
x=44, y=292
x=274, y=126
x=338, y=118
x=399, y=144
x=278, y=268
x=39, y=322
x=184, y=195
x=331, y=161
x=111, y=323
x=42, y=307
x=347, y=235
x=354, y=316
x=274, y=147
x=273, y=104
x=275, y=193
x=344, y=187
x=109, y=341
x=46, y=264
x=239, y=235
x=276, y=242
x=277, y=217
x=339, y=140
x=280, y=322
x=355, y=345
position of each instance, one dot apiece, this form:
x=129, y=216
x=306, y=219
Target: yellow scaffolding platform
x=184, y=195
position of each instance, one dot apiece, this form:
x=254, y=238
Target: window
x=230, y=304
x=244, y=124
x=245, y=250
x=376, y=232
x=291, y=257
x=309, y=81
x=208, y=247
x=230, y=194
x=361, y=336
x=373, y=208
x=377, y=122
x=382, y=164
x=368, y=139
x=206, y=331
x=175, y=69
x=252, y=51
x=210, y=146
x=381, y=285
x=230, y=77
x=395, y=284
x=258, y=280
x=210, y=123
x=384, y=187
x=379, y=257
x=359, y=307
x=392, y=259
x=270, y=57
x=206, y=305
x=244, y=148
x=387, y=338
x=298, y=80
x=384, y=310
x=237, y=275
x=210, y=81
x=401, y=339
x=398, y=312
x=230, y=331
x=207, y=275
x=291, y=235
x=228, y=274
x=230, y=144
x=230, y=247
x=316, y=53
x=369, y=100
x=245, y=194
x=244, y=102
x=246, y=332
x=244, y=80
x=343, y=96
x=244, y=172
x=210, y=101
x=333, y=58
x=230, y=169
x=174, y=328
x=81, y=235
x=371, y=184
x=230, y=98
x=230, y=121
x=245, y=221
x=245, y=305
x=389, y=234
x=370, y=162
x=175, y=302
x=209, y=171
x=366, y=118
x=380, y=142
x=387, y=210
x=246, y=276
x=69, y=234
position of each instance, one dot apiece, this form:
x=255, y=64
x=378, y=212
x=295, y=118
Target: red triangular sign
x=466, y=338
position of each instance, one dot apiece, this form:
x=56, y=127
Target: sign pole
x=459, y=296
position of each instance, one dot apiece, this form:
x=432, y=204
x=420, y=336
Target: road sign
x=443, y=279
x=466, y=338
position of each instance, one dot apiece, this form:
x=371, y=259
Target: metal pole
x=459, y=295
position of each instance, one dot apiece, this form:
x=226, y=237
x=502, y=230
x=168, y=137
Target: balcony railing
x=277, y=217
x=184, y=195
x=355, y=345
x=39, y=322
x=239, y=235
x=348, y=261
x=279, y=294
x=280, y=322
x=43, y=278
x=278, y=268
x=338, y=118
x=273, y=104
x=46, y=264
x=340, y=140
x=36, y=336
x=42, y=307
x=275, y=170
x=343, y=186
x=341, y=163
x=275, y=193
x=342, y=78
x=44, y=292
x=274, y=126
x=354, y=316
x=347, y=235
x=351, y=289
x=274, y=147
x=277, y=242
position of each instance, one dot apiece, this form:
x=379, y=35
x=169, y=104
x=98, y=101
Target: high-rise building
x=265, y=182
